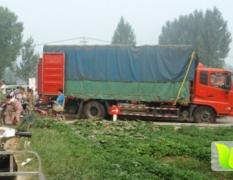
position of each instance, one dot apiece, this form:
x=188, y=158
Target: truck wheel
x=204, y=115
x=93, y=110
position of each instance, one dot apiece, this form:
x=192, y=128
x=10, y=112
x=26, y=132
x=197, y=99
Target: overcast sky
x=53, y=20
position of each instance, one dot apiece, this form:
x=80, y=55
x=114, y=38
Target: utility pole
x=84, y=41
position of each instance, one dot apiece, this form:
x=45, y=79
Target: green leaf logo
x=225, y=156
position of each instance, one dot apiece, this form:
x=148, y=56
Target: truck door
x=218, y=92
x=53, y=73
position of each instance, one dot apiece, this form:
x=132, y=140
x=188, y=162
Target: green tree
x=28, y=64
x=124, y=34
x=10, y=38
x=206, y=32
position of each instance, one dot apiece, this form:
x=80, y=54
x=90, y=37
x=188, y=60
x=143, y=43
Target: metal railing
x=38, y=173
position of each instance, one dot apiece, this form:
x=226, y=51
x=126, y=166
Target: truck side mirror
x=228, y=79
x=228, y=88
x=228, y=82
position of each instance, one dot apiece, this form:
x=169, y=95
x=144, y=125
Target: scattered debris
x=28, y=160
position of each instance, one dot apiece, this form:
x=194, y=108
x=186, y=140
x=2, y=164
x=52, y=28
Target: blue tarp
x=126, y=63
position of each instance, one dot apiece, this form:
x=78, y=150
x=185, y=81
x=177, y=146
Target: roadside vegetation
x=129, y=150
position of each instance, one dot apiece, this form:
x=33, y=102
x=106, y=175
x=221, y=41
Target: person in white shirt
x=36, y=95
x=3, y=87
x=22, y=97
x=2, y=92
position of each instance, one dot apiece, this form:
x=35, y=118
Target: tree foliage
x=28, y=64
x=206, y=32
x=124, y=34
x=10, y=38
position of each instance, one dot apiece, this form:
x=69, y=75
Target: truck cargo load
x=145, y=73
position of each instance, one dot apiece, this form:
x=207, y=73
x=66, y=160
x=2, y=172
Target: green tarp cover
x=144, y=73
x=126, y=63
x=151, y=92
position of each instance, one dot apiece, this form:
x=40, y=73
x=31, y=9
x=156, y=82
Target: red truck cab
x=213, y=88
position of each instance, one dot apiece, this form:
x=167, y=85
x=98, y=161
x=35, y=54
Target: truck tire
x=94, y=110
x=204, y=114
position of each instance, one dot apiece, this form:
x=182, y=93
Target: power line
x=64, y=40
x=98, y=40
x=84, y=41
x=58, y=41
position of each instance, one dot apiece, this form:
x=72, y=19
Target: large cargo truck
x=164, y=82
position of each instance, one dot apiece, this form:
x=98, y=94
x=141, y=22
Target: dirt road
x=220, y=122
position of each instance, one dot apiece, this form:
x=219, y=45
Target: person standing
x=3, y=87
x=30, y=101
x=16, y=92
x=36, y=95
x=22, y=98
x=2, y=92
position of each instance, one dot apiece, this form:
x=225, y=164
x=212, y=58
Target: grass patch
x=126, y=150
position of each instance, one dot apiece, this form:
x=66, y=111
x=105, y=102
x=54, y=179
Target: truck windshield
x=219, y=80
